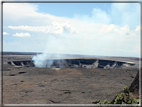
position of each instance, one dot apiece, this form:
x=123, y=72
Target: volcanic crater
x=66, y=81
x=77, y=63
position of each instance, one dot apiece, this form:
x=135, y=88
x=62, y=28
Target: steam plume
x=53, y=45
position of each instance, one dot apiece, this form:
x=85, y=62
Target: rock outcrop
x=134, y=87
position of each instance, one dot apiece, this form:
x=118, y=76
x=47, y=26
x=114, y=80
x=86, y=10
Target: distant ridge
x=67, y=55
x=21, y=53
x=51, y=54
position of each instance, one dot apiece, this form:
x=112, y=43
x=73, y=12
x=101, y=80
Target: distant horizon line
x=71, y=54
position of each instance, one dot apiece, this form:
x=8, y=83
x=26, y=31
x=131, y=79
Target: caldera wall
x=77, y=63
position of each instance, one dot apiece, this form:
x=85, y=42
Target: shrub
x=119, y=98
x=126, y=91
x=123, y=98
x=96, y=101
x=106, y=102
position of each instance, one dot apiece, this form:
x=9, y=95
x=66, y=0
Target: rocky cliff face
x=134, y=87
x=77, y=63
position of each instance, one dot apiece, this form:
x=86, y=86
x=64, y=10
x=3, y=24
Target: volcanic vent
x=76, y=63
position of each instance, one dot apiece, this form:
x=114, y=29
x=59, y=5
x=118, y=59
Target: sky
x=105, y=29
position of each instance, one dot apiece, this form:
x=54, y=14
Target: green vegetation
x=98, y=102
x=123, y=98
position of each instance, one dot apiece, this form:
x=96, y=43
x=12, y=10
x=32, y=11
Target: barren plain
x=33, y=85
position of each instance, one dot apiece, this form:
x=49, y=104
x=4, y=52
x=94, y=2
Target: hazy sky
x=110, y=29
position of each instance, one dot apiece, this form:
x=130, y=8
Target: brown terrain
x=28, y=84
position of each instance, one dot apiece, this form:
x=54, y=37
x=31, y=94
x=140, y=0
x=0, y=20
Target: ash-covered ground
x=69, y=85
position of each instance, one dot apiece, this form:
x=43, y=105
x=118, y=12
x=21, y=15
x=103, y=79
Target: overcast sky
x=109, y=29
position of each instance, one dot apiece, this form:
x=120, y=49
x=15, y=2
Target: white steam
x=53, y=47
x=40, y=60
